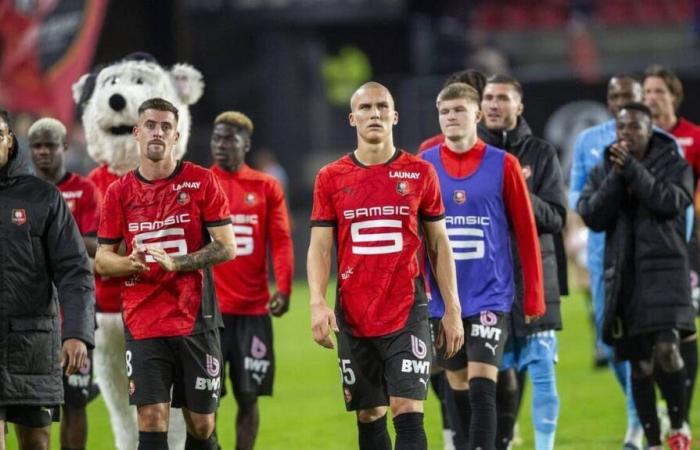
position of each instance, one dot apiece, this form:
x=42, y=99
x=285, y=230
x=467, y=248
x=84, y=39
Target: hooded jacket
x=42, y=262
x=642, y=211
x=543, y=176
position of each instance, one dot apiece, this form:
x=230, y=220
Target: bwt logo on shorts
x=213, y=366
x=418, y=347
x=413, y=366
x=485, y=332
x=207, y=384
x=488, y=318
x=79, y=381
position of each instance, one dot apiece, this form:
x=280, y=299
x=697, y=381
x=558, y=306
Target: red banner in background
x=46, y=46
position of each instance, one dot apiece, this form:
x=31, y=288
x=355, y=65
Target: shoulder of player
x=596, y=131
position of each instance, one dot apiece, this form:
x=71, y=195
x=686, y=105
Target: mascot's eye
x=139, y=80
x=114, y=80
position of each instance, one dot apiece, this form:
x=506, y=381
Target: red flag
x=46, y=46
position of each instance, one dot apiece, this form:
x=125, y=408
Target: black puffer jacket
x=42, y=260
x=642, y=212
x=543, y=176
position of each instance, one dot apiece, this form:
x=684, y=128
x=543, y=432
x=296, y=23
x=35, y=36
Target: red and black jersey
x=376, y=212
x=259, y=216
x=688, y=136
x=82, y=199
x=172, y=213
x=107, y=290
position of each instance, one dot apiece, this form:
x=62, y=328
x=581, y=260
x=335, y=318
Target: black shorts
x=247, y=348
x=29, y=416
x=485, y=337
x=189, y=365
x=374, y=369
x=76, y=387
x=641, y=347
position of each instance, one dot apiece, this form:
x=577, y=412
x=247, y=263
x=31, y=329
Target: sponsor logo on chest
x=187, y=185
x=70, y=195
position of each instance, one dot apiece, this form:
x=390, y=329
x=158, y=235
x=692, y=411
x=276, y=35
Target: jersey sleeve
x=517, y=200
x=280, y=238
x=431, y=206
x=88, y=220
x=110, y=229
x=323, y=214
x=216, y=210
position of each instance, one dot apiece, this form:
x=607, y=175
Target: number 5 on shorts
x=346, y=372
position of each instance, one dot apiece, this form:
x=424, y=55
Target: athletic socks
x=689, y=353
x=507, y=399
x=673, y=388
x=545, y=402
x=410, y=434
x=153, y=440
x=645, y=401
x=463, y=408
x=482, y=432
x=192, y=443
x=374, y=435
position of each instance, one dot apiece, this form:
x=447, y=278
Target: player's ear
x=135, y=131
x=479, y=115
x=177, y=136
x=351, y=119
x=521, y=108
x=396, y=117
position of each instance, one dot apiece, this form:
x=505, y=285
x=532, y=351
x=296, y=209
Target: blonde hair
x=458, y=90
x=48, y=124
x=235, y=118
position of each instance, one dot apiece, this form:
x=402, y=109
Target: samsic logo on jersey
x=374, y=211
x=459, y=196
x=158, y=224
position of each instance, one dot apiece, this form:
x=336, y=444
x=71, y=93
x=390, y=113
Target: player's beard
x=156, y=152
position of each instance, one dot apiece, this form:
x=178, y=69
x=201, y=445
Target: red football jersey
x=376, y=211
x=171, y=213
x=431, y=142
x=107, y=290
x=259, y=216
x=688, y=135
x=82, y=199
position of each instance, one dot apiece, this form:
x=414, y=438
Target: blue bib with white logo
x=479, y=232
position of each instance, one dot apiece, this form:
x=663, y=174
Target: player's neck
x=666, y=122
x=371, y=154
x=157, y=170
x=52, y=177
x=462, y=144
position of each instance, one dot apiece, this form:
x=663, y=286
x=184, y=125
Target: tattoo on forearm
x=210, y=254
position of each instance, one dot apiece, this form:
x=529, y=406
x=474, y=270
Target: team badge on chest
x=402, y=187
x=19, y=216
x=250, y=198
x=459, y=196
x=183, y=198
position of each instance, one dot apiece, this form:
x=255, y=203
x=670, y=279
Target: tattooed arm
x=221, y=248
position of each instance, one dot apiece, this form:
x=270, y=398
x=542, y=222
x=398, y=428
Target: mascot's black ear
x=141, y=56
x=83, y=89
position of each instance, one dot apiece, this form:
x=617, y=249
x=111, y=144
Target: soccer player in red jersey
x=47, y=141
x=473, y=78
x=163, y=212
x=663, y=94
x=259, y=216
x=372, y=202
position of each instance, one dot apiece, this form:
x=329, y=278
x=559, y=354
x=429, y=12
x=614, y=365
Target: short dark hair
x=506, y=79
x=5, y=117
x=472, y=77
x=636, y=106
x=159, y=104
x=670, y=79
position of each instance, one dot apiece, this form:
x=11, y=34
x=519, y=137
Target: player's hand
x=619, y=155
x=451, y=333
x=73, y=355
x=530, y=319
x=164, y=260
x=279, y=304
x=322, y=322
x=137, y=258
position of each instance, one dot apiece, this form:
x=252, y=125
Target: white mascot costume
x=109, y=98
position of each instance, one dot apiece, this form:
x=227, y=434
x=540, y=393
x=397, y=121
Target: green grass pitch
x=307, y=410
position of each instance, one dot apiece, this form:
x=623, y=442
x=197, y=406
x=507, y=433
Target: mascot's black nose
x=117, y=102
